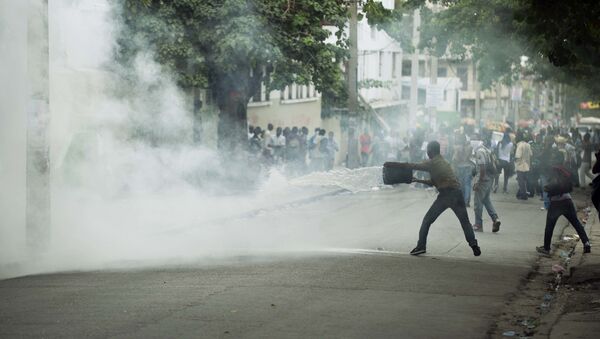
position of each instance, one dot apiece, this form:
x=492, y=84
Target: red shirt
x=365, y=143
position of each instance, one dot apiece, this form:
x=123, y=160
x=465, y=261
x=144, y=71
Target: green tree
x=560, y=38
x=232, y=46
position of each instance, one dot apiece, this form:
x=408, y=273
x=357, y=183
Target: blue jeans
x=482, y=198
x=465, y=178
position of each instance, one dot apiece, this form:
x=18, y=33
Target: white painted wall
x=13, y=113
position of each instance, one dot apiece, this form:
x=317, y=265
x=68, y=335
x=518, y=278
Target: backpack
x=491, y=162
x=493, y=165
x=560, y=182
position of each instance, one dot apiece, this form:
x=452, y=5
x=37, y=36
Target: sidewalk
x=559, y=298
x=580, y=312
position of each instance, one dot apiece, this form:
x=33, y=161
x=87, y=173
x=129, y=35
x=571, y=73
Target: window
x=463, y=75
x=289, y=88
x=406, y=67
x=422, y=68
x=442, y=72
x=445, y=95
x=373, y=33
x=299, y=94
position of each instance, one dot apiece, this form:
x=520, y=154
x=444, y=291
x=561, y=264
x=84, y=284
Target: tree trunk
x=233, y=94
x=233, y=123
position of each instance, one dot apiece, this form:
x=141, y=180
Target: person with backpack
x=486, y=168
x=559, y=187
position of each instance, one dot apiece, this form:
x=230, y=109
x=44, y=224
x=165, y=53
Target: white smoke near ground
x=128, y=184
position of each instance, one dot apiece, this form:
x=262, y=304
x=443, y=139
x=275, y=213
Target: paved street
x=312, y=270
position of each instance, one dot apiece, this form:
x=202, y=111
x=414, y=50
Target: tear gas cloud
x=128, y=185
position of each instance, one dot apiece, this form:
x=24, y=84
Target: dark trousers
x=566, y=208
x=522, y=180
x=532, y=183
x=453, y=199
x=506, y=168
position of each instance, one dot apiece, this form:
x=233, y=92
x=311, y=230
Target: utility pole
x=478, y=116
x=498, y=112
x=38, y=123
x=353, y=156
x=414, y=71
x=433, y=75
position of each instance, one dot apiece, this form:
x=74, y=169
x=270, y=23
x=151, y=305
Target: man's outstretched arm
x=423, y=166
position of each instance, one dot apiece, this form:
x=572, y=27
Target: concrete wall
x=286, y=113
x=13, y=113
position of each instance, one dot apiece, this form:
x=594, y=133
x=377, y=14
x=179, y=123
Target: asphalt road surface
x=337, y=267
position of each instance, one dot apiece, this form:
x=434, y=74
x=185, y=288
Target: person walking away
x=522, y=164
x=561, y=204
x=450, y=196
x=486, y=171
x=320, y=152
x=464, y=166
x=332, y=149
x=586, y=161
x=365, y=147
x=278, y=145
x=505, y=152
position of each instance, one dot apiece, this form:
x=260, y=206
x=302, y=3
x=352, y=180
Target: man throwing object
x=450, y=196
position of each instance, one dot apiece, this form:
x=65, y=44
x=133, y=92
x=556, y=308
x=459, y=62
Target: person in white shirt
x=522, y=164
x=277, y=144
x=504, y=150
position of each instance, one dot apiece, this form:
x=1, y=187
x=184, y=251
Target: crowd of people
x=293, y=147
x=548, y=163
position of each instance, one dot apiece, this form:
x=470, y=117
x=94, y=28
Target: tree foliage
x=560, y=38
x=231, y=46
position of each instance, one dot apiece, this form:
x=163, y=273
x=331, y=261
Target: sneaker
x=544, y=252
x=587, y=248
x=417, y=250
x=542, y=208
x=477, y=228
x=496, y=225
x=476, y=250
